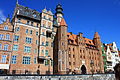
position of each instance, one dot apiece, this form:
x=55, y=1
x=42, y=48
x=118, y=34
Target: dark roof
x=27, y=12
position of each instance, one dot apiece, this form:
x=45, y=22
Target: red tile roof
x=89, y=41
x=74, y=40
x=63, y=23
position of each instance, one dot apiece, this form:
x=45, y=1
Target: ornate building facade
x=39, y=43
x=112, y=53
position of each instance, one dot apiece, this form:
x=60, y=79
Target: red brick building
x=6, y=41
x=38, y=43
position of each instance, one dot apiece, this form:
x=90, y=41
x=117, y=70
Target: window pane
x=1, y=36
x=27, y=49
x=26, y=60
x=26, y=31
x=16, y=38
x=15, y=48
x=7, y=37
x=0, y=46
x=6, y=47
x=13, y=59
x=3, y=60
x=46, y=53
x=28, y=40
x=6, y=28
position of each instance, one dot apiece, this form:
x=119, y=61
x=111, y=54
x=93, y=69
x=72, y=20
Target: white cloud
x=2, y=16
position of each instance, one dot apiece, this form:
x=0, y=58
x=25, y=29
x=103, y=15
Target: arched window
x=6, y=28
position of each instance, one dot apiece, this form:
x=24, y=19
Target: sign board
x=4, y=66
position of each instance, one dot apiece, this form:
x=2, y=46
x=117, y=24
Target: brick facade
x=40, y=44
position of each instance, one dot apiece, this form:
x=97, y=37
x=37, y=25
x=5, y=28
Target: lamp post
x=49, y=59
x=92, y=64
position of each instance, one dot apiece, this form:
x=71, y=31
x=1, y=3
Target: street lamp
x=49, y=59
x=92, y=64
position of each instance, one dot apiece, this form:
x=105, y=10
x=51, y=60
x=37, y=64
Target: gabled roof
x=63, y=23
x=89, y=41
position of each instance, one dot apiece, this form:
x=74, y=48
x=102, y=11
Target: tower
x=61, y=45
x=97, y=42
x=59, y=13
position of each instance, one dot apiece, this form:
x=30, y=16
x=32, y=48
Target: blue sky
x=86, y=16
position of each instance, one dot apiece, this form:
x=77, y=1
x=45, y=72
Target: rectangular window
x=43, y=51
x=28, y=22
x=47, y=43
x=35, y=61
x=46, y=62
x=13, y=59
x=7, y=37
x=36, y=33
x=26, y=60
x=1, y=36
x=37, y=42
x=30, y=31
x=6, y=28
x=43, y=33
x=52, y=44
x=28, y=40
x=35, y=51
x=6, y=47
x=26, y=31
x=16, y=38
x=27, y=49
x=46, y=52
x=19, y=20
x=48, y=34
x=3, y=60
x=42, y=43
x=31, y=23
x=17, y=29
x=0, y=46
x=51, y=62
x=37, y=25
x=15, y=48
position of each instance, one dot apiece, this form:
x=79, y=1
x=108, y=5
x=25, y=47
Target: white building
x=112, y=56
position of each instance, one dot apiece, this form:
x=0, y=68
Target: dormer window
x=34, y=15
x=6, y=28
x=89, y=41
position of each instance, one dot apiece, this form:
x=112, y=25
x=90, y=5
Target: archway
x=83, y=69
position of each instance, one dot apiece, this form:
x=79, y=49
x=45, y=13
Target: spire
x=63, y=23
x=17, y=2
x=59, y=9
x=96, y=35
x=8, y=18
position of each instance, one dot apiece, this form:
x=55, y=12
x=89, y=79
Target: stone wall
x=62, y=77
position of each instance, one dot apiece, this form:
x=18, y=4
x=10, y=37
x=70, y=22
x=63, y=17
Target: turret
x=96, y=40
x=59, y=13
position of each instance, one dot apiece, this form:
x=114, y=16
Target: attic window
x=34, y=15
x=72, y=41
x=67, y=35
x=89, y=41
